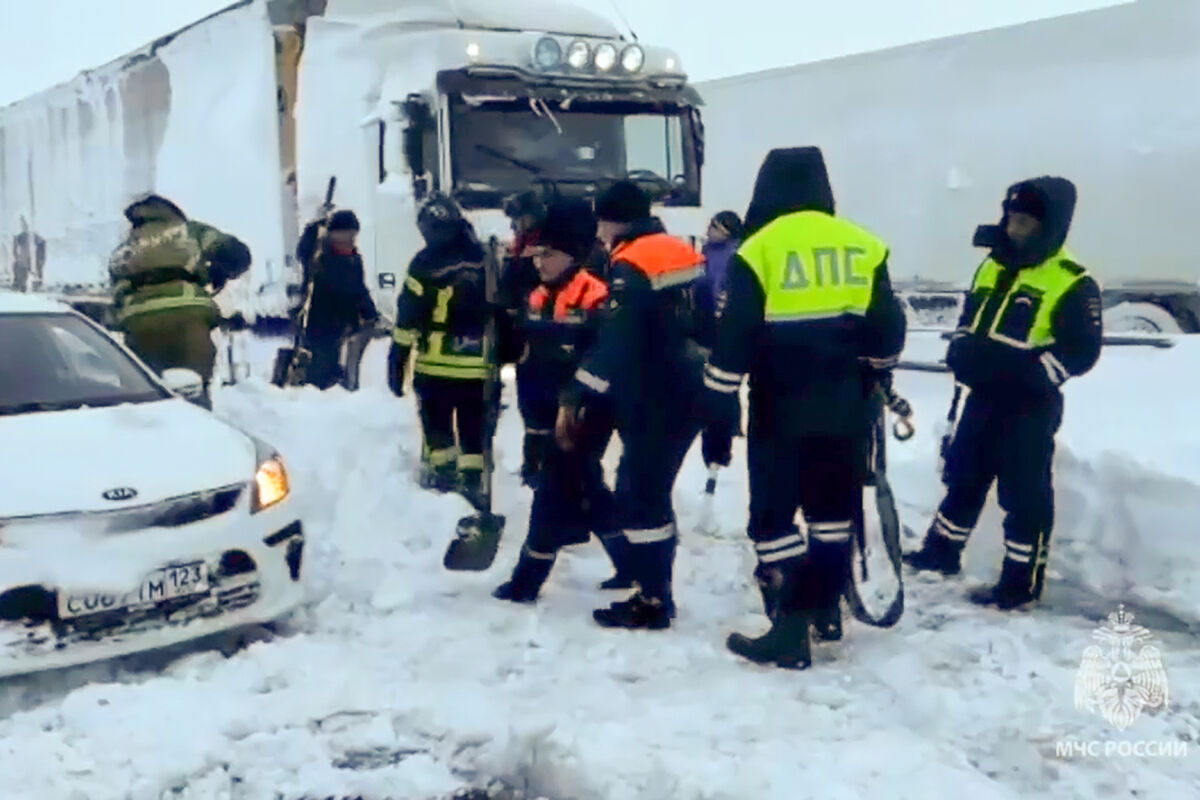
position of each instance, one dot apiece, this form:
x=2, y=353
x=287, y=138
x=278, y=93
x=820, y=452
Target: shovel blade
x=476, y=542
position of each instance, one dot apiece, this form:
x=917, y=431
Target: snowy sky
x=44, y=42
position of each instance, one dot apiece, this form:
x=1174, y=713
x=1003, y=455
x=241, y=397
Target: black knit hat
x=729, y=222
x=569, y=227
x=624, y=201
x=344, y=220
x=1024, y=198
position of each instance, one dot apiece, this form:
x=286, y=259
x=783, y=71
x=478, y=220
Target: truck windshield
x=501, y=147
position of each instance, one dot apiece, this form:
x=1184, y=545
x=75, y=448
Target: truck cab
x=482, y=101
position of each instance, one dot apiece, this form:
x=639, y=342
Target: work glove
x=397, y=364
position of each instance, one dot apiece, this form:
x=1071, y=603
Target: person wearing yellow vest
x=1032, y=320
x=442, y=313
x=645, y=368
x=808, y=313
x=161, y=274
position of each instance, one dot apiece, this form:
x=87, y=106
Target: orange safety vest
x=665, y=260
x=584, y=292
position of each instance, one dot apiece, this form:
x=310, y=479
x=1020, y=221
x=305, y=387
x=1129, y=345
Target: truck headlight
x=578, y=54
x=633, y=58
x=547, y=53
x=271, y=484
x=606, y=57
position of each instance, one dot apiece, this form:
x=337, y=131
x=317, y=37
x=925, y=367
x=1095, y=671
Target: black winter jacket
x=340, y=299
x=645, y=359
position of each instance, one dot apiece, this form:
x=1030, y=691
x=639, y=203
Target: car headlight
x=271, y=484
x=606, y=57
x=633, y=58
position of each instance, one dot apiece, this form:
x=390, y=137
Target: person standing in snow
x=1031, y=320
x=562, y=315
x=339, y=302
x=442, y=313
x=161, y=273
x=724, y=238
x=29, y=259
x=809, y=313
x=647, y=364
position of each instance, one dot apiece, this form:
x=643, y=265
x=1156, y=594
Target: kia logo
x=121, y=493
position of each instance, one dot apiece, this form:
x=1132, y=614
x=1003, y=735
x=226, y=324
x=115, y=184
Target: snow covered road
x=401, y=680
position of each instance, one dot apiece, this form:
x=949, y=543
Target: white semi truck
x=243, y=117
x=922, y=140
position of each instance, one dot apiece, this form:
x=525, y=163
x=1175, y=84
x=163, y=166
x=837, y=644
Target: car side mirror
x=184, y=382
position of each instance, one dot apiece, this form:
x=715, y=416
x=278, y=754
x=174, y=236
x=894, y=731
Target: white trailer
x=922, y=141
x=243, y=117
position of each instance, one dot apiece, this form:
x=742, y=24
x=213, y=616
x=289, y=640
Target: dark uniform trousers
x=1013, y=446
x=650, y=463
x=570, y=502
x=817, y=481
x=447, y=406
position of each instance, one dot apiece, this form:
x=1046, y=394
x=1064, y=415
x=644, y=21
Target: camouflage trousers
x=176, y=338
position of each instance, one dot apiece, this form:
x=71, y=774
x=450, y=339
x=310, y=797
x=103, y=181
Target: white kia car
x=130, y=519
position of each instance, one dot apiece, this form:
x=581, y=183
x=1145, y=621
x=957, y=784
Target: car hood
x=64, y=461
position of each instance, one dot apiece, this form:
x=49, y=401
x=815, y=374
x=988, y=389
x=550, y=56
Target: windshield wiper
x=30, y=408
x=494, y=153
x=68, y=405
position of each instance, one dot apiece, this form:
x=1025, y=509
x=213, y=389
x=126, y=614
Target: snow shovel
x=477, y=537
x=880, y=520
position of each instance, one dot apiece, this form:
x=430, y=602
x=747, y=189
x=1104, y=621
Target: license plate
x=164, y=584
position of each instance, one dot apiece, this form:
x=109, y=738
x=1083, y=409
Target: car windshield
x=500, y=147
x=54, y=362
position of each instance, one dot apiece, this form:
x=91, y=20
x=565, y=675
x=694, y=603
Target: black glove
x=716, y=444
x=397, y=364
x=535, y=449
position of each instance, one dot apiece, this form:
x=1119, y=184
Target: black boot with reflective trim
x=637, y=612
x=1019, y=586
x=937, y=554
x=785, y=645
x=439, y=479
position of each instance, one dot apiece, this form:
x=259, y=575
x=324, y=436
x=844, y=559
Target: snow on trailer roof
x=550, y=16
x=21, y=303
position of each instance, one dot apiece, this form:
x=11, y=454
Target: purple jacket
x=717, y=255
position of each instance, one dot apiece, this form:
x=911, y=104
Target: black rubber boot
x=937, y=554
x=617, y=547
x=637, y=612
x=439, y=479
x=828, y=623
x=1019, y=585
x=786, y=644
x=526, y=581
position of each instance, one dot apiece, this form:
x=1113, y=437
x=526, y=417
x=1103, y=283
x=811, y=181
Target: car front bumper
x=254, y=566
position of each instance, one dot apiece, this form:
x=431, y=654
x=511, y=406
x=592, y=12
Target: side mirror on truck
x=419, y=118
